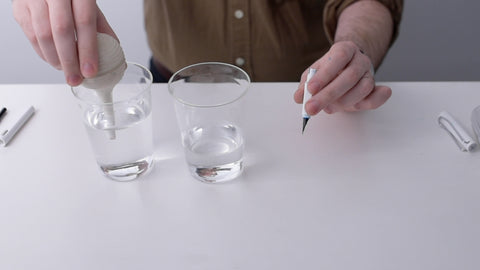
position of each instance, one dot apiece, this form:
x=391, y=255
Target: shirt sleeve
x=334, y=8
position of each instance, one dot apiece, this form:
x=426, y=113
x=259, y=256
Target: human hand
x=343, y=82
x=64, y=34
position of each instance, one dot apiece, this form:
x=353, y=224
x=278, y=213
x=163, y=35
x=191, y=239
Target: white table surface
x=384, y=189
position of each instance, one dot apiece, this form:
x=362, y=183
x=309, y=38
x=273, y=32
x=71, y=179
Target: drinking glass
x=120, y=129
x=208, y=104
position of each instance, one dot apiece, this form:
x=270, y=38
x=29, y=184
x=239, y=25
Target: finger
x=64, y=36
x=375, y=99
x=345, y=81
x=330, y=65
x=85, y=20
x=361, y=90
x=23, y=18
x=298, y=96
x=43, y=33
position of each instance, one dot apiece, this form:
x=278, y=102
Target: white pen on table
x=456, y=131
x=7, y=135
x=306, y=96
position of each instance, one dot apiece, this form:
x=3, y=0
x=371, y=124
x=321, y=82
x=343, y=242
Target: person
x=272, y=40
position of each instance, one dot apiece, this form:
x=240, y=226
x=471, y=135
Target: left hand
x=344, y=81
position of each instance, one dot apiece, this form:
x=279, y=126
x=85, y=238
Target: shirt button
x=238, y=14
x=239, y=61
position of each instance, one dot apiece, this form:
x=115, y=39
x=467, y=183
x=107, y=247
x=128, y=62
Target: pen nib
x=305, y=120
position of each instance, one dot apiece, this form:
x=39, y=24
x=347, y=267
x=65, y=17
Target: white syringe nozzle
x=106, y=98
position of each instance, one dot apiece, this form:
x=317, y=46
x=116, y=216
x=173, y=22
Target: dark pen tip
x=2, y=112
x=305, y=121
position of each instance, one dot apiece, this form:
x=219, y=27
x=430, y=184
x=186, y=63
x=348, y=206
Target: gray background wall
x=439, y=41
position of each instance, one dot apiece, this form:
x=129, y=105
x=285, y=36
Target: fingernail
x=88, y=70
x=74, y=79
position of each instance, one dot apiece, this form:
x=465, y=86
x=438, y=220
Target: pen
x=306, y=96
x=8, y=134
x=460, y=135
x=2, y=113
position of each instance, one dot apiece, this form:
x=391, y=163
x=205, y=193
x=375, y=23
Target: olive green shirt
x=272, y=40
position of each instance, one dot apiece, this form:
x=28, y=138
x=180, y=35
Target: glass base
x=217, y=174
x=129, y=171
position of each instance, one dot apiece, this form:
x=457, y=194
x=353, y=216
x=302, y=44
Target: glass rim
x=150, y=79
x=171, y=91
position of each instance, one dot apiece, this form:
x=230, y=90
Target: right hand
x=344, y=82
x=64, y=34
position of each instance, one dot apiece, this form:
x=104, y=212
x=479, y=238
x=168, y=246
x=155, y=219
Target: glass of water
x=120, y=127
x=208, y=104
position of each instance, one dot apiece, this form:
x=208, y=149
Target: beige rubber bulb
x=111, y=66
